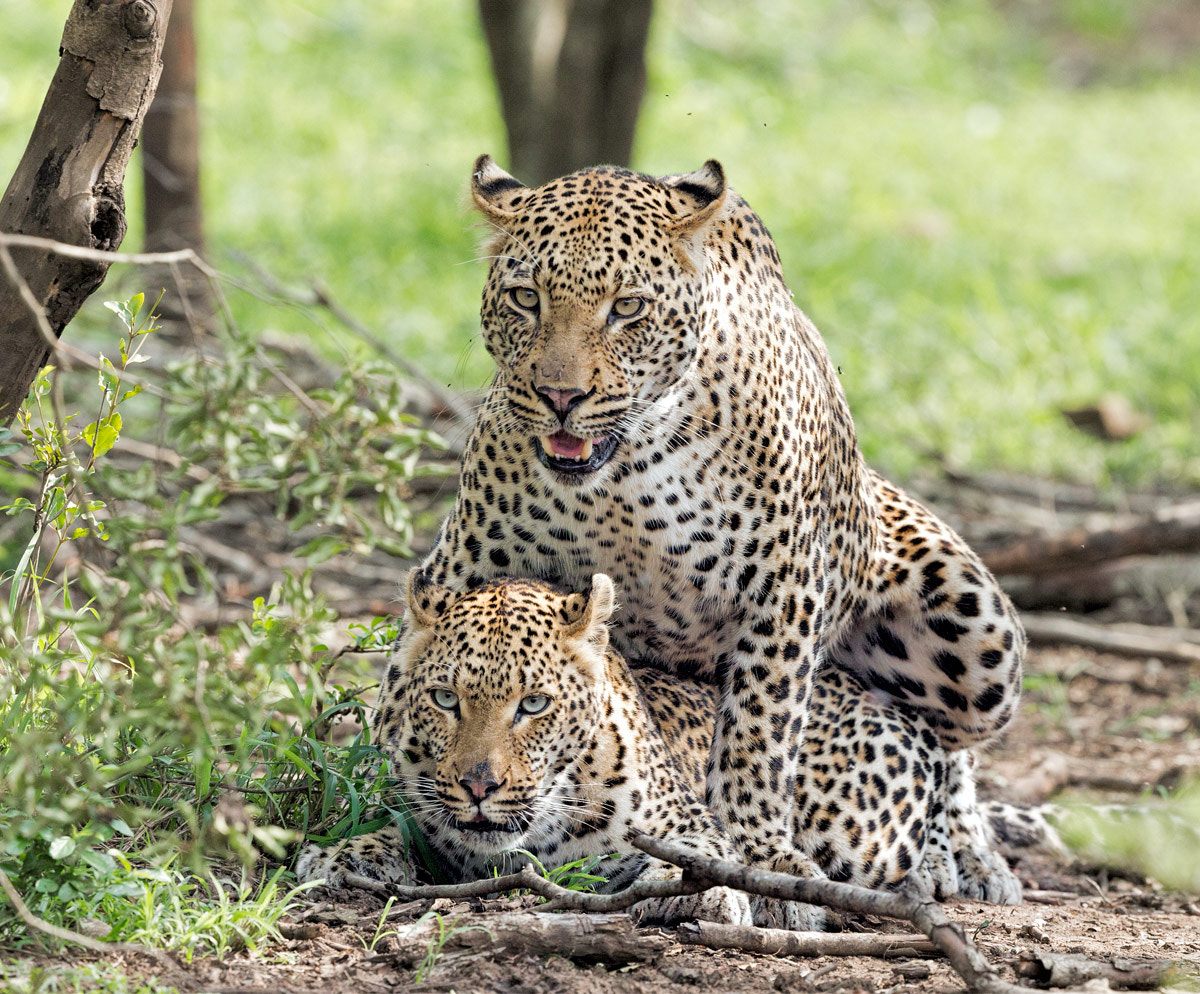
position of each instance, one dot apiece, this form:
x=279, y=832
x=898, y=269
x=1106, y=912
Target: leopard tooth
x=547, y=445
x=586, y=454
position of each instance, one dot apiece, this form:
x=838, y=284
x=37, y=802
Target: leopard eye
x=534, y=704
x=524, y=298
x=447, y=700
x=628, y=307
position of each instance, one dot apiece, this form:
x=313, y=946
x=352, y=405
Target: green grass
x=30, y=977
x=982, y=241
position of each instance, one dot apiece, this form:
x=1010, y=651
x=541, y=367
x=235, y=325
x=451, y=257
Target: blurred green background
x=991, y=208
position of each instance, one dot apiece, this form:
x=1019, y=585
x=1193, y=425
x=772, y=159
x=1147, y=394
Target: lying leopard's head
x=595, y=300
x=493, y=695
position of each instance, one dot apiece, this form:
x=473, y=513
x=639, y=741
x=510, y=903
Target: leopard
x=663, y=412
x=515, y=732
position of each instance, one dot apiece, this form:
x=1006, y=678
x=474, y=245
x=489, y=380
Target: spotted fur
x=664, y=413
x=616, y=750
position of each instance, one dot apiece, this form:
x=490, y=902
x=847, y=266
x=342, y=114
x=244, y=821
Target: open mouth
x=567, y=453
x=482, y=826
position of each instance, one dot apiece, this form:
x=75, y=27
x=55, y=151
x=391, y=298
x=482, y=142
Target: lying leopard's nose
x=479, y=788
x=561, y=401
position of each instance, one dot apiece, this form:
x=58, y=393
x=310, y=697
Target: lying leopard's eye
x=534, y=704
x=628, y=307
x=445, y=699
x=524, y=298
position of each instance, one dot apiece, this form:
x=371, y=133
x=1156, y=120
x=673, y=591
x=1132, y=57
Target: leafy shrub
x=123, y=730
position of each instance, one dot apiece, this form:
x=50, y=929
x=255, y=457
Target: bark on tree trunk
x=69, y=185
x=570, y=75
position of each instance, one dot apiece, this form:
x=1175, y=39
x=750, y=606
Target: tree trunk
x=570, y=75
x=171, y=177
x=171, y=145
x=69, y=185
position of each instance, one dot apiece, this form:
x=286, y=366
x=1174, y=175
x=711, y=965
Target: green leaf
x=321, y=548
x=8, y=448
x=46, y=886
x=62, y=847
x=126, y=310
x=103, y=435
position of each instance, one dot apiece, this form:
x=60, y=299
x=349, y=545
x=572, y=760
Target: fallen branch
x=527, y=878
x=702, y=872
x=1047, y=969
x=1055, y=629
x=921, y=909
x=780, y=942
x=1171, y=529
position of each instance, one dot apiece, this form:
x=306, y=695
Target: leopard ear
x=425, y=600
x=697, y=196
x=586, y=615
x=495, y=192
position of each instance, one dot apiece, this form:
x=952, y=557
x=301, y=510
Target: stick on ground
x=780, y=942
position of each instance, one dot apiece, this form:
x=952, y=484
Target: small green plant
x=196, y=916
x=579, y=874
x=380, y=934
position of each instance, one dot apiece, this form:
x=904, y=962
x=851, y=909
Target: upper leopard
x=663, y=413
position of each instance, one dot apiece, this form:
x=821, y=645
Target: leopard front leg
x=717, y=904
x=765, y=690
x=937, y=632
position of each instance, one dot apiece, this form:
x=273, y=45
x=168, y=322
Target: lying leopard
x=662, y=412
x=511, y=723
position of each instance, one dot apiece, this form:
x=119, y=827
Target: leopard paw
x=719, y=904
x=983, y=875
x=380, y=855
x=791, y=915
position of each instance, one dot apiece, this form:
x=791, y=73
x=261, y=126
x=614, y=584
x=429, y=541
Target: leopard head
x=498, y=692
x=594, y=306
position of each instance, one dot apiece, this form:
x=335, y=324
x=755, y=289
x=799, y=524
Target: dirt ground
x=1112, y=726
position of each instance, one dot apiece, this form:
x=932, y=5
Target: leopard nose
x=480, y=787
x=561, y=401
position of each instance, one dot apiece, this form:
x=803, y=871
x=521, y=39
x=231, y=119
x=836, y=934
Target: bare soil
x=1113, y=726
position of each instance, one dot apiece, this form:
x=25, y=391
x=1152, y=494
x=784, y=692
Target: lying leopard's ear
x=495, y=192
x=698, y=196
x=586, y=615
x=425, y=600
